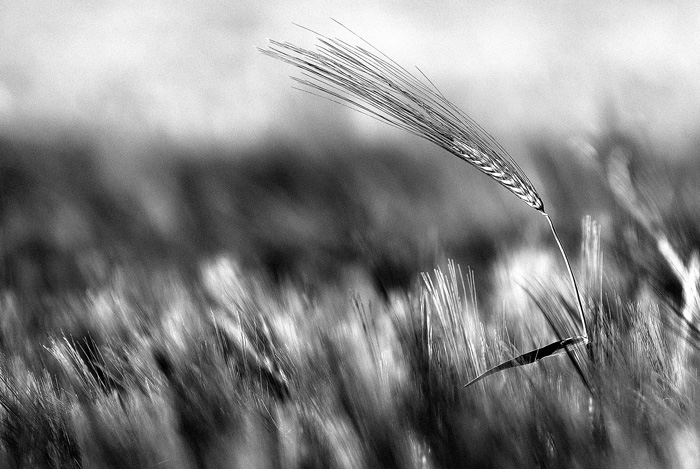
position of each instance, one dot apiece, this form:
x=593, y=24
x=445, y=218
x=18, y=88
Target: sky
x=189, y=72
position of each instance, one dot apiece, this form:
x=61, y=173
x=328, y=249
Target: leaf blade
x=532, y=356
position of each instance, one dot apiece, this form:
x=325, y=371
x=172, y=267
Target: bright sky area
x=189, y=72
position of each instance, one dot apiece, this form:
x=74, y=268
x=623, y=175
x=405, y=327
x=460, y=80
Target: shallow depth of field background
x=155, y=130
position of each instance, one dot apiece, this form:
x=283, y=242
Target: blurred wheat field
x=202, y=268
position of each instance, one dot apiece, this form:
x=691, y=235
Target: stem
x=571, y=276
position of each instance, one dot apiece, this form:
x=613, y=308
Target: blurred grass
x=67, y=214
x=265, y=309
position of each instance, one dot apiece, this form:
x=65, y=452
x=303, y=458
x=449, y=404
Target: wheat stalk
x=370, y=82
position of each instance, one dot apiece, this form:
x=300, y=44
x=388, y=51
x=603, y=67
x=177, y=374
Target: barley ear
x=368, y=81
x=373, y=84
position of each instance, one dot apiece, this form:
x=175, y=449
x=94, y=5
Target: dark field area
x=372, y=211
x=380, y=213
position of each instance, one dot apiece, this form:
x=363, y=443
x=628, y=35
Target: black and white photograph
x=331, y=234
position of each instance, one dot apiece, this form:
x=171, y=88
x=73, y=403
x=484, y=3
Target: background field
x=202, y=267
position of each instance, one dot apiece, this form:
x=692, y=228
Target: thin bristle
x=377, y=86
